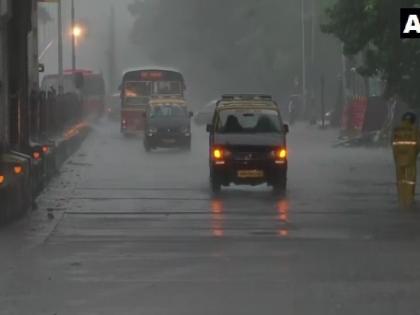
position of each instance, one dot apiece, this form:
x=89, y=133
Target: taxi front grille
x=250, y=153
x=168, y=130
x=249, y=156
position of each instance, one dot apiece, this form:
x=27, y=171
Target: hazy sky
x=91, y=52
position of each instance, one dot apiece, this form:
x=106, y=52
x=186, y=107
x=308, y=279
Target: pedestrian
x=406, y=145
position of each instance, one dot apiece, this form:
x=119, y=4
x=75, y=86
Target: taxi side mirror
x=191, y=114
x=286, y=128
x=210, y=128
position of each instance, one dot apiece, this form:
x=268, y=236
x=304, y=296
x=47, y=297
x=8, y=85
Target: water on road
x=122, y=231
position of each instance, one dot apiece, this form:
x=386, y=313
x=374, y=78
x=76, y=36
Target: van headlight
x=152, y=131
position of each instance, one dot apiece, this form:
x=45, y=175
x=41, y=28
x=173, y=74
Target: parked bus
x=91, y=91
x=138, y=86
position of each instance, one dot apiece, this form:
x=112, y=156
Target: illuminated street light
x=77, y=31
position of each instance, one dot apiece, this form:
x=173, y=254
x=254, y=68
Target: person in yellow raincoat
x=406, y=146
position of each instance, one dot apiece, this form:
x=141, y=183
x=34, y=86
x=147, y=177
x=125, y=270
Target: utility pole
x=322, y=101
x=112, y=52
x=73, y=36
x=313, y=52
x=344, y=75
x=33, y=88
x=60, y=48
x=4, y=79
x=304, y=79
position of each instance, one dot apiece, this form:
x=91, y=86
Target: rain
x=208, y=157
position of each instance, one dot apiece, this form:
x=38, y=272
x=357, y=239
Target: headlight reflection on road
x=283, y=217
x=217, y=224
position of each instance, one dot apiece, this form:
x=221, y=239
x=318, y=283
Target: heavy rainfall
x=209, y=157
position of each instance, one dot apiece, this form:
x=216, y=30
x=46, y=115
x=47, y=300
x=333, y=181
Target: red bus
x=92, y=92
x=138, y=86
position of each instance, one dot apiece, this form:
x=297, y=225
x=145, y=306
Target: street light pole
x=60, y=49
x=304, y=101
x=313, y=52
x=73, y=36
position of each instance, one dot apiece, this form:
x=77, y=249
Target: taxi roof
x=247, y=104
x=167, y=100
x=247, y=101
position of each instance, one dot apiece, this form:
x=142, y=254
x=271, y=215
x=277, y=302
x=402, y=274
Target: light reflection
x=283, y=217
x=217, y=225
x=130, y=93
x=283, y=233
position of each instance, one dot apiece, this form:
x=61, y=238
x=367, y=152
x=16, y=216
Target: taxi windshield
x=168, y=111
x=248, y=121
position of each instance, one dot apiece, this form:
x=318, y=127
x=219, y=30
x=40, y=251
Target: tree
x=371, y=28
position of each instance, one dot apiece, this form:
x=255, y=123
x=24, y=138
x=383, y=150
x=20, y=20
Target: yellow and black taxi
x=248, y=143
x=168, y=123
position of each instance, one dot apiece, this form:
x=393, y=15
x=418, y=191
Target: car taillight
x=2, y=179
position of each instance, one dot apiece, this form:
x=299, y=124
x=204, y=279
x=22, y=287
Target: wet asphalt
x=122, y=231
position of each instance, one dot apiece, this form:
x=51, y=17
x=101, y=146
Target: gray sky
x=91, y=52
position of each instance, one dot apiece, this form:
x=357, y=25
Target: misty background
x=220, y=46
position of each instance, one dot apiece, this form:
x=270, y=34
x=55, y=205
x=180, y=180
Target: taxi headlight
x=279, y=154
x=220, y=154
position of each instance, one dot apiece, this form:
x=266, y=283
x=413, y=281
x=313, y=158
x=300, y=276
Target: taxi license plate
x=168, y=141
x=250, y=174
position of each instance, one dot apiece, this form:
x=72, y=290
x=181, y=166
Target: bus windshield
x=137, y=93
x=168, y=88
x=146, y=83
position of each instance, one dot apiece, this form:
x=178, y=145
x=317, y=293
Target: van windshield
x=248, y=121
x=169, y=110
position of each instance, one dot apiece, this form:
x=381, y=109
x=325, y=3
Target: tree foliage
x=371, y=28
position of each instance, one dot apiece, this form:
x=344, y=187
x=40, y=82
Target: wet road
x=125, y=232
